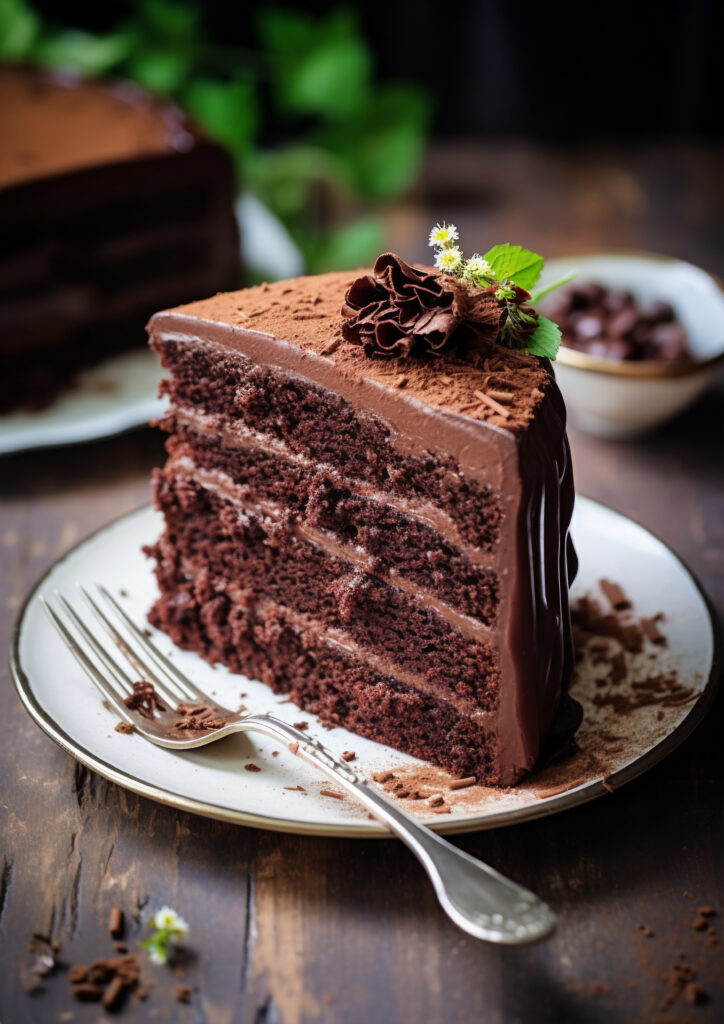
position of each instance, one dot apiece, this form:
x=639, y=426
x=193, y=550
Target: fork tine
x=86, y=664
x=164, y=688
x=189, y=690
x=122, y=678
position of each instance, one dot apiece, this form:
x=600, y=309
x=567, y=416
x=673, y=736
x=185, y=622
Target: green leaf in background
x=161, y=70
x=19, y=28
x=546, y=339
x=168, y=21
x=350, y=141
x=83, y=51
x=286, y=33
x=351, y=245
x=228, y=111
x=383, y=148
x=322, y=66
x=540, y=293
x=514, y=263
x=285, y=178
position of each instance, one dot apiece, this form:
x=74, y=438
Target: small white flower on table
x=167, y=919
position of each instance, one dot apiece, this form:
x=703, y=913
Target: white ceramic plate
x=117, y=395
x=614, y=748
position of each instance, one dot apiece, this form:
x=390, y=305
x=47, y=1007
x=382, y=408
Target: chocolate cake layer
x=266, y=561
x=111, y=205
x=325, y=429
x=379, y=536
x=261, y=381
x=323, y=679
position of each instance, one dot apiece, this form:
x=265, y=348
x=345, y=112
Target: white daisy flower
x=476, y=268
x=167, y=919
x=449, y=260
x=443, y=235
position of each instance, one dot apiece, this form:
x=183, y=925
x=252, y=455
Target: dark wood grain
x=292, y=929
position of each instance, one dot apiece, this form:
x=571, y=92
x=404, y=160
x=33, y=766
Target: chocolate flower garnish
x=398, y=310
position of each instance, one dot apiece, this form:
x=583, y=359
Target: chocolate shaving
x=198, y=717
x=114, y=993
x=651, y=630
x=495, y=406
x=144, y=699
x=470, y=780
x=589, y=617
x=399, y=310
x=115, y=923
x=105, y=981
x=614, y=595
x=664, y=689
x=87, y=993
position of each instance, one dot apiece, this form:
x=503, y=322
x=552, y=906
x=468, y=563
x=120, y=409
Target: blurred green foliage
x=348, y=137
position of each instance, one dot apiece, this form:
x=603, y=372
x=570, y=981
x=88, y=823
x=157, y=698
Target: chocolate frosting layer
x=397, y=310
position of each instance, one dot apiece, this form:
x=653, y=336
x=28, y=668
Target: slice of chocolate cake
x=383, y=539
x=111, y=206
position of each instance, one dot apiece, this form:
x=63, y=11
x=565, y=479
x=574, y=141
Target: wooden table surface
x=290, y=929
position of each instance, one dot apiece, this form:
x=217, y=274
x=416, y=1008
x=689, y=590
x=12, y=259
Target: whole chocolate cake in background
x=111, y=206
x=366, y=503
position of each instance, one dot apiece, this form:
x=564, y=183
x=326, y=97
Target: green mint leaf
x=546, y=339
x=539, y=293
x=514, y=263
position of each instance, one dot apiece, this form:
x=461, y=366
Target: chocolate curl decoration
x=398, y=310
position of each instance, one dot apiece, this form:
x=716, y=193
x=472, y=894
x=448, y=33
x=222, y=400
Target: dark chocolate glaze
x=539, y=640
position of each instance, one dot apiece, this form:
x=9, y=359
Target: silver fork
x=476, y=897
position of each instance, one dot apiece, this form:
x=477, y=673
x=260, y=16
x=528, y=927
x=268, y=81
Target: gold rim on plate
x=552, y=805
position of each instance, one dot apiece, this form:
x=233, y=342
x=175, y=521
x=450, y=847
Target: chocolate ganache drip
x=398, y=310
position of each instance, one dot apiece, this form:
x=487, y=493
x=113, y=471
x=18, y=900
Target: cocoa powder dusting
x=444, y=381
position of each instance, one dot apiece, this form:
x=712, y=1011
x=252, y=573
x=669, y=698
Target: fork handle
x=476, y=897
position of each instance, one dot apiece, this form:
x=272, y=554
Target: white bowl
x=619, y=399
